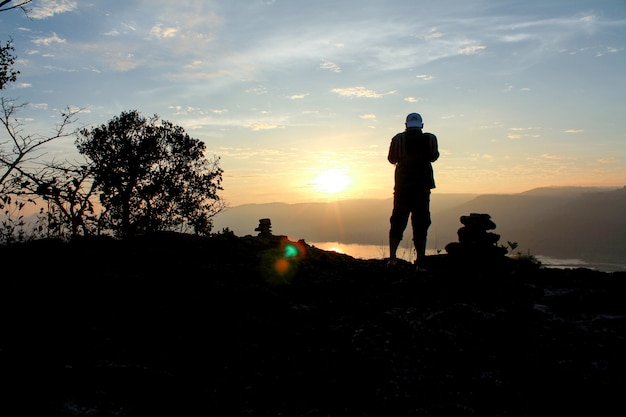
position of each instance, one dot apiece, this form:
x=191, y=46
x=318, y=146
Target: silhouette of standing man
x=412, y=152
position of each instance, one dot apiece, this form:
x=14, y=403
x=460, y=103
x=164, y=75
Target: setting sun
x=331, y=181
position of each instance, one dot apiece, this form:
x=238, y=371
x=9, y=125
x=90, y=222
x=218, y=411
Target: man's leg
x=420, y=222
x=398, y=222
x=393, y=246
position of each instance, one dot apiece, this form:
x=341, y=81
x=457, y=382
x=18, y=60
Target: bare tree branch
x=19, y=149
x=20, y=4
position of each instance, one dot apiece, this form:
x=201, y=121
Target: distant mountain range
x=587, y=223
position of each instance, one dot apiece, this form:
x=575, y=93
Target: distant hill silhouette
x=363, y=221
x=583, y=223
x=564, y=222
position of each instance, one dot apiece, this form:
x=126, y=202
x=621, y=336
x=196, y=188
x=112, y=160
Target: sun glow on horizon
x=331, y=181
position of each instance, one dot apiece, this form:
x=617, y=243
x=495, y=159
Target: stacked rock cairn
x=265, y=227
x=475, y=240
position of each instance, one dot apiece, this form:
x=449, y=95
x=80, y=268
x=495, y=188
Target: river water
x=406, y=252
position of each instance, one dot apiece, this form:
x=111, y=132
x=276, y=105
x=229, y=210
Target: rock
x=264, y=228
x=474, y=238
x=480, y=221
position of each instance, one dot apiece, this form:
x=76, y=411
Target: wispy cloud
x=434, y=34
x=159, y=32
x=358, y=92
x=257, y=90
x=121, y=61
x=262, y=126
x=48, y=8
x=552, y=156
x=573, y=131
x=54, y=38
x=609, y=50
x=76, y=109
x=471, y=50
x=297, y=96
x=521, y=132
x=330, y=66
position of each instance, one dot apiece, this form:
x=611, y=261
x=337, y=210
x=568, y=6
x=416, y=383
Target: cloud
x=357, y=92
x=522, y=134
x=297, y=96
x=471, y=50
x=330, y=66
x=411, y=99
x=54, y=38
x=518, y=136
x=552, y=156
x=48, y=8
x=424, y=77
x=115, y=32
x=521, y=129
x=573, y=131
x=53, y=68
x=613, y=50
x=24, y=85
x=159, y=32
x=120, y=61
x=434, y=34
x=262, y=126
x=368, y=117
x=257, y=90
x=76, y=109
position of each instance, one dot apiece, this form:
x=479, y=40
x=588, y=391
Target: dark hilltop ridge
x=177, y=325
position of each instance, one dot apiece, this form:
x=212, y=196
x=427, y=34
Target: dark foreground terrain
x=172, y=325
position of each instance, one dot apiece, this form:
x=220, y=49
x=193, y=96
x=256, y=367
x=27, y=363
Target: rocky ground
x=173, y=325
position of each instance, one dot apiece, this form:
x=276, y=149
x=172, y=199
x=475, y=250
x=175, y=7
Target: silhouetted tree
x=17, y=150
x=7, y=59
x=151, y=176
x=69, y=193
x=66, y=188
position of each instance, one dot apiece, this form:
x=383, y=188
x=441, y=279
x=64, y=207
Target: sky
x=300, y=99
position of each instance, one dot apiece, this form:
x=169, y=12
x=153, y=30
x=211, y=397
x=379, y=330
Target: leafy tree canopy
x=151, y=176
x=7, y=59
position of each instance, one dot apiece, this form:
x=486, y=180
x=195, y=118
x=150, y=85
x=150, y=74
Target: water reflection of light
x=406, y=252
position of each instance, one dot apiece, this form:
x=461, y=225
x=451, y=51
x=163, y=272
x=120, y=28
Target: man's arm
x=434, y=147
x=394, y=152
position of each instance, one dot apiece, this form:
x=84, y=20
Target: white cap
x=414, y=120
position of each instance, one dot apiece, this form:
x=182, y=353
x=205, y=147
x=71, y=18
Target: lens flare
x=280, y=264
x=291, y=251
